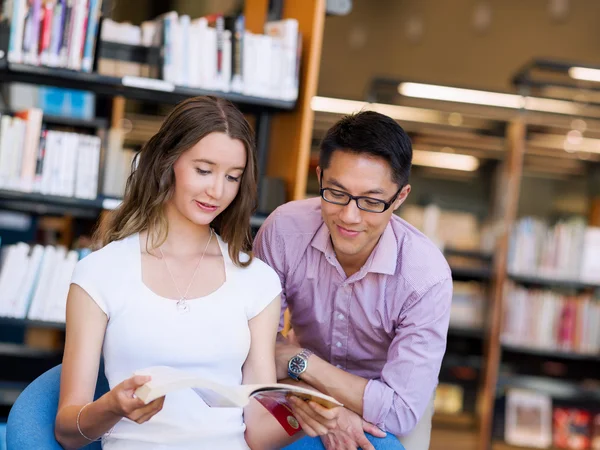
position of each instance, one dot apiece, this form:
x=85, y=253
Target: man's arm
x=396, y=401
x=267, y=248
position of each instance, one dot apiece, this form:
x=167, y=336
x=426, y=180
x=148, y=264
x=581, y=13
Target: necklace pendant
x=182, y=305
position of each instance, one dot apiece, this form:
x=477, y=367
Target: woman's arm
x=86, y=325
x=263, y=431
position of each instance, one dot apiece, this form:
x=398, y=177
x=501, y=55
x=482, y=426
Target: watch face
x=297, y=365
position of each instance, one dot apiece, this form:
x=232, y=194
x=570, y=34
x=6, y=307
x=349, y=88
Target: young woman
x=175, y=284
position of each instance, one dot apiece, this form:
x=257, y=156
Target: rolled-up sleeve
x=396, y=401
x=268, y=248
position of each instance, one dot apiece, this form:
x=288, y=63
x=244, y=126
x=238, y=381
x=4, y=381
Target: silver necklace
x=182, y=304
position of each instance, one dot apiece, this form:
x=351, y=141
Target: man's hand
x=349, y=433
x=284, y=351
x=315, y=419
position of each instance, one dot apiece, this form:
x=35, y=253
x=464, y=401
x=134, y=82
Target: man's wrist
x=298, y=364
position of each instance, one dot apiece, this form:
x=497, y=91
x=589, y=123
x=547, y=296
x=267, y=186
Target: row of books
x=548, y=320
x=34, y=159
x=212, y=52
x=468, y=305
x=54, y=33
x=566, y=250
x=34, y=281
x=532, y=419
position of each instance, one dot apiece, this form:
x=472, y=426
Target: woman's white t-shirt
x=144, y=329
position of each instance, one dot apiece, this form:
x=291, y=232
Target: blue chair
x=30, y=422
x=31, y=419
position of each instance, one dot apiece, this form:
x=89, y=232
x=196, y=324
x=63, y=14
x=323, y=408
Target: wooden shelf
x=500, y=445
x=145, y=89
x=471, y=273
x=93, y=124
x=554, y=354
x=20, y=350
x=533, y=280
x=557, y=388
x=474, y=333
x=9, y=391
x=37, y=203
x=459, y=420
x=9, y=321
x=473, y=254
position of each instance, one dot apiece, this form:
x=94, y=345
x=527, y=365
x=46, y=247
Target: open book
x=272, y=396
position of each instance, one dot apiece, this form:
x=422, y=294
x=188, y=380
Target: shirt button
x=338, y=344
x=340, y=316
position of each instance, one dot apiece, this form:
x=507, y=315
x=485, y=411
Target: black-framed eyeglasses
x=368, y=204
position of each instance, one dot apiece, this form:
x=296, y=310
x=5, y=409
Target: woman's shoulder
x=109, y=257
x=253, y=267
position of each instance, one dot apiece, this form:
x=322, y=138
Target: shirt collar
x=385, y=254
x=382, y=260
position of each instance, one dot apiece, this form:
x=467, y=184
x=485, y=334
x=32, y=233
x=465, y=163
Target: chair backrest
x=31, y=419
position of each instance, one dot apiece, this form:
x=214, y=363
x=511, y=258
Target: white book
x=167, y=379
x=5, y=143
x=590, y=262
x=16, y=142
x=78, y=34
x=27, y=287
x=56, y=309
x=42, y=289
x=17, y=28
x=15, y=274
x=287, y=31
x=10, y=258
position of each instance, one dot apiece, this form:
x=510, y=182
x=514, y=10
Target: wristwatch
x=298, y=364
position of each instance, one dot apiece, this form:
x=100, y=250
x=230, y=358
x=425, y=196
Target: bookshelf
x=282, y=129
x=134, y=88
x=531, y=151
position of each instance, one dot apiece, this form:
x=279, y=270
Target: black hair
x=371, y=133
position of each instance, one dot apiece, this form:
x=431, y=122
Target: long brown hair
x=152, y=180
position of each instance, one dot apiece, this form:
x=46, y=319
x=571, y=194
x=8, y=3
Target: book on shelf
x=35, y=280
x=212, y=52
x=54, y=33
x=572, y=428
x=36, y=159
x=528, y=421
x=468, y=305
x=534, y=419
x=272, y=396
x=449, y=398
x=548, y=320
x=567, y=250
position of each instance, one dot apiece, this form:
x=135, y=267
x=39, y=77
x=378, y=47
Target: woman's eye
x=234, y=179
x=203, y=172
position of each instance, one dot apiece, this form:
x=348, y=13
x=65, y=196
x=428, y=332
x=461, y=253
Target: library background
x=500, y=99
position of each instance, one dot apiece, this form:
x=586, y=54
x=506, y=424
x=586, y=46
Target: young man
x=369, y=295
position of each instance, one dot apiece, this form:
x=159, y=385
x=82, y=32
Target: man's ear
x=319, y=172
x=401, y=197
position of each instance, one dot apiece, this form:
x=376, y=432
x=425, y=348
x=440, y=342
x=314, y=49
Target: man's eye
x=337, y=194
x=373, y=202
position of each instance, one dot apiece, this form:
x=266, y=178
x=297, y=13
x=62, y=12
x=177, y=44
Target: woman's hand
x=124, y=403
x=315, y=419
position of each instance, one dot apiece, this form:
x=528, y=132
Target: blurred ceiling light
x=486, y=98
x=441, y=160
x=453, y=94
x=584, y=73
x=406, y=113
